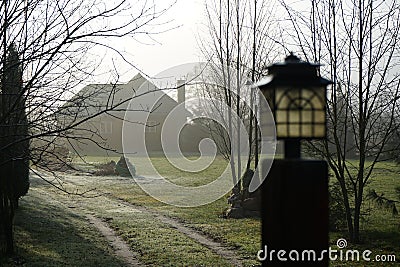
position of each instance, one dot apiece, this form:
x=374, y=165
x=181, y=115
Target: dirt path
x=198, y=236
x=121, y=248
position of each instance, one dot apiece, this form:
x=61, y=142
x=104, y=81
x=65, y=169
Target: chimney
x=180, y=85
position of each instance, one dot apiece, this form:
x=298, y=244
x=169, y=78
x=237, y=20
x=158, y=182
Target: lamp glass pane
x=319, y=116
x=281, y=130
x=294, y=116
x=300, y=112
x=294, y=130
x=306, y=130
x=293, y=93
x=306, y=116
x=319, y=130
x=281, y=116
x=284, y=97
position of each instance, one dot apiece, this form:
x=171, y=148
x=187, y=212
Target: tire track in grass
x=121, y=248
x=198, y=236
x=201, y=238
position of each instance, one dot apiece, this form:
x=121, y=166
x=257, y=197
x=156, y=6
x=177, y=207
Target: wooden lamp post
x=295, y=192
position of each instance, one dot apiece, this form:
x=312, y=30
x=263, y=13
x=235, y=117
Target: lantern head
x=296, y=94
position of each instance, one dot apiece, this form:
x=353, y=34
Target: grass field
x=379, y=229
x=48, y=234
x=244, y=235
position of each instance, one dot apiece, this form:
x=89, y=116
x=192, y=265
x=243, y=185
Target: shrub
x=125, y=168
x=105, y=169
x=337, y=213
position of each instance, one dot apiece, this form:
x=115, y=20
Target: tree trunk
x=7, y=215
x=250, y=134
x=8, y=226
x=349, y=218
x=356, y=233
x=357, y=213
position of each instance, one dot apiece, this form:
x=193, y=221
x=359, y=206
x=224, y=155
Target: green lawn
x=380, y=230
x=244, y=235
x=46, y=234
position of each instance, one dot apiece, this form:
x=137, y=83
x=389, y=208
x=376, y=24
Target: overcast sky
x=168, y=49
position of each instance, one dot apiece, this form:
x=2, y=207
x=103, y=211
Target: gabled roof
x=142, y=95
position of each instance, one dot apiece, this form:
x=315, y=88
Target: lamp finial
x=292, y=58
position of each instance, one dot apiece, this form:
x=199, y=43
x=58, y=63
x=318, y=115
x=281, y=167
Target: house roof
x=139, y=93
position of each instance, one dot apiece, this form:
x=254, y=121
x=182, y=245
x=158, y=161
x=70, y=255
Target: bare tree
x=358, y=41
x=238, y=46
x=56, y=44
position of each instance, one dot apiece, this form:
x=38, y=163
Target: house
x=128, y=118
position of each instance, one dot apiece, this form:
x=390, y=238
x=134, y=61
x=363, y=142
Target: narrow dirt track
x=120, y=247
x=198, y=236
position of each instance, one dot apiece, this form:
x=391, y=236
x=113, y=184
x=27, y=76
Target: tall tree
x=14, y=174
x=239, y=44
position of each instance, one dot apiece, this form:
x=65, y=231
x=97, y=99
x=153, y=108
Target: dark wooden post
x=295, y=214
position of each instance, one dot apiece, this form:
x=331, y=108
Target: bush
x=337, y=213
x=106, y=169
x=125, y=168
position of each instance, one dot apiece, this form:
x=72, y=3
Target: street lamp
x=294, y=207
x=296, y=94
